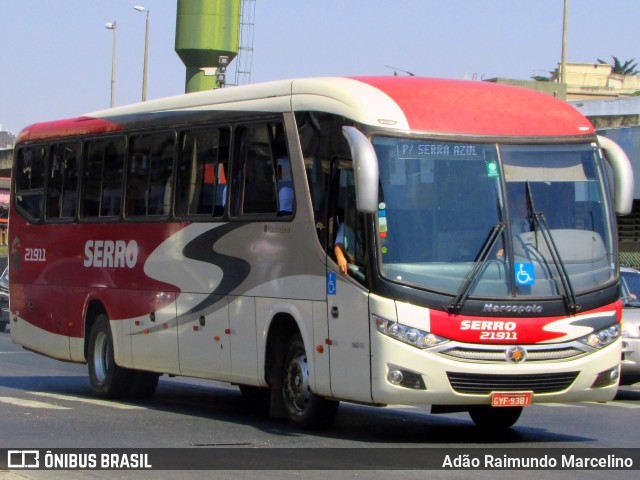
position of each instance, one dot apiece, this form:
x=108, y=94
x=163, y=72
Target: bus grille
x=480, y=384
x=499, y=354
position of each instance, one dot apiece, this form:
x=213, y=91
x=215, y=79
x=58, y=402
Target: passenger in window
x=221, y=191
x=345, y=244
x=285, y=187
x=519, y=215
x=340, y=248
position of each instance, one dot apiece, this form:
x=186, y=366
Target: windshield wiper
x=540, y=222
x=456, y=305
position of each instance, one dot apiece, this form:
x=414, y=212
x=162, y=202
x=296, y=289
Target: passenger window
x=30, y=180
x=322, y=144
x=257, y=187
x=349, y=241
x=62, y=190
x=284, y=179
x=202, y=173
x=150, y=175
x=263, y=177
x=102, y=178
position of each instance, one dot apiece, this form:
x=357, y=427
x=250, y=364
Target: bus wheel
x=107, y=379
x=488, y=417
x=304, y=408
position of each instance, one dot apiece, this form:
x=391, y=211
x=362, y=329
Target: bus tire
x=107, y=379
x=488, y=417
x=304, y=408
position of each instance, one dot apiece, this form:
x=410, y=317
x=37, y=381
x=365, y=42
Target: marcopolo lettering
x=519, y=309
x=110, y=253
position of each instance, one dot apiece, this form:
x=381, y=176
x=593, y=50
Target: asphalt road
x=47, y=404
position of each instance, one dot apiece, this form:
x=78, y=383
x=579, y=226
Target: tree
x=626, y=68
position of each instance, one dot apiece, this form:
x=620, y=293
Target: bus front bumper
x=403, y=374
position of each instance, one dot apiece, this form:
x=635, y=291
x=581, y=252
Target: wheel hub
x=297, y=383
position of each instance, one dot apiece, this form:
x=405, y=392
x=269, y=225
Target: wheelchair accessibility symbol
x=524, y=274
x=331, y=283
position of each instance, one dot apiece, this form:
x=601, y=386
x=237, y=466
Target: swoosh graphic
x=576, y=327
x=195, y=265
x=234, y=270
x=187, y=275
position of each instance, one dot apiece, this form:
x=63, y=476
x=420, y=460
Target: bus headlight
x=411, y=335
x=603, y=337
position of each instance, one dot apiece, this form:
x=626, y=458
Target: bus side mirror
x=623, y=183
x=365, y=168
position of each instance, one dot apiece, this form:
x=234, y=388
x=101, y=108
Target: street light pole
x=563, y=59
x=146, y=52
x=112, y=26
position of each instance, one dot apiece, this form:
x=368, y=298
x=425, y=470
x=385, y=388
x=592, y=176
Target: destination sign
x=440, y=150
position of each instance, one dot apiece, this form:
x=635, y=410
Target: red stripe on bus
x=511, y=330
x=66, y=128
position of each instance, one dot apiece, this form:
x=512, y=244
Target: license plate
x=511, y=399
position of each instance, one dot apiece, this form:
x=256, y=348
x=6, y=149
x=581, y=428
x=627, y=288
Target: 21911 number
x=498, y=336
x=35, y=255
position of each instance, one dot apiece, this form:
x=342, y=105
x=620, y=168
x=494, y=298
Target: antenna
x=396, y=70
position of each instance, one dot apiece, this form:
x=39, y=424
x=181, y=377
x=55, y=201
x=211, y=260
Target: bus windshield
x=527, y=220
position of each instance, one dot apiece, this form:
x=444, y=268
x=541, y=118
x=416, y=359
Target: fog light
x=606, y=378
x=395, y=377
x=615, y=374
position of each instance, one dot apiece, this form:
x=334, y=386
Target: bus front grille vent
x=499, y=354
x=480, y=384
x=413, y=380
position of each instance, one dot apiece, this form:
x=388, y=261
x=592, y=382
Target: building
x=7, y=140
x=589, y=81
x=585, y=81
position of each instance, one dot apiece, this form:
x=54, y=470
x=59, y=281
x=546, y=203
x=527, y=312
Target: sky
x=56, y=54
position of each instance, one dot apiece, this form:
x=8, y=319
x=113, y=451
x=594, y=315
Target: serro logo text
x=110, y=253
x=488, y=325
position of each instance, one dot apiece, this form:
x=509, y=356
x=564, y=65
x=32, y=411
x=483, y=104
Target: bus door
x=347, y=296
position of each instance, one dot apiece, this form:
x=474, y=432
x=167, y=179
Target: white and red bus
x=197, y=235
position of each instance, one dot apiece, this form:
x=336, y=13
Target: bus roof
x=401, y=103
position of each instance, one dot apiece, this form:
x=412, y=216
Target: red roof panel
x=480, y=108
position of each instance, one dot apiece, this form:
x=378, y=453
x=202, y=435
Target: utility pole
x=563, y=61
x=140, y=8
x=112, y=26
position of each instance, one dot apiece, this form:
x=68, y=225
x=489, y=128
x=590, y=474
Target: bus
x=200, y=235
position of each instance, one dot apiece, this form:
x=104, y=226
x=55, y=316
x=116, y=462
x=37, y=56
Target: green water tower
x=207, y=31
